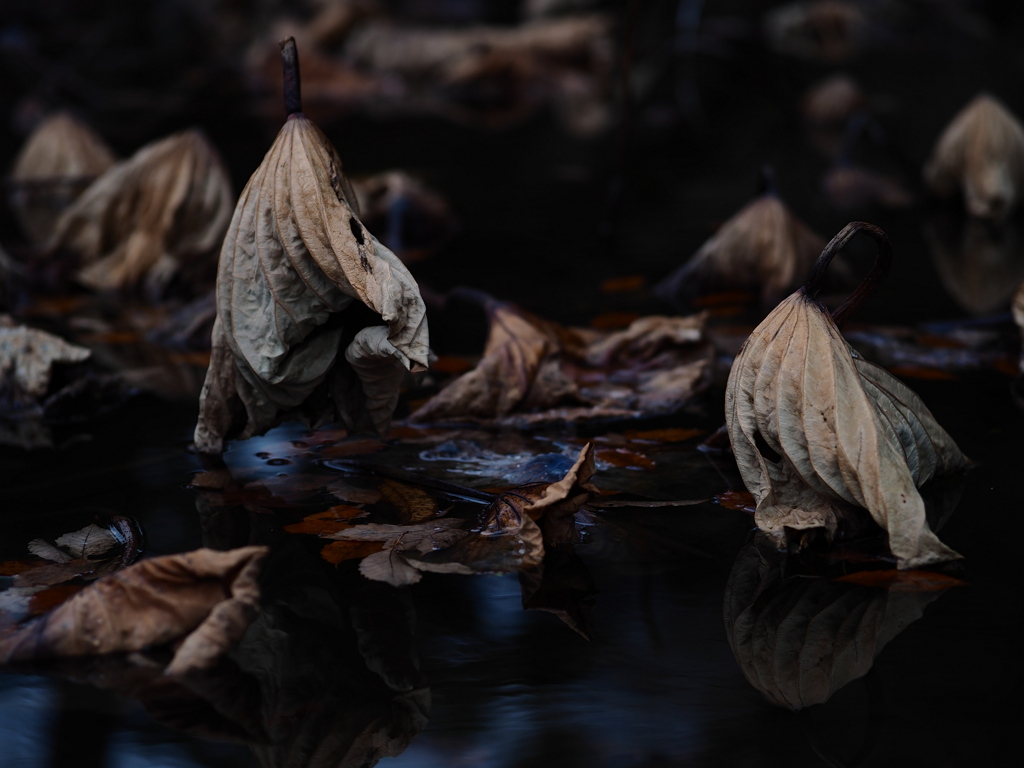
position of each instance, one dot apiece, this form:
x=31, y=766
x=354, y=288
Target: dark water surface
x=453, y=671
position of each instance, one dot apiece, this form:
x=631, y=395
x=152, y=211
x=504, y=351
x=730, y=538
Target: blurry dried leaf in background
x=57, y=162
x=763, y=248
x=295, y=256
x=147, y=217
x=980, y=155
x=27, y=357
x=826, y=30
x=813, y=425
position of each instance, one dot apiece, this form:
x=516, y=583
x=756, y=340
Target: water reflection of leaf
x=798, y=639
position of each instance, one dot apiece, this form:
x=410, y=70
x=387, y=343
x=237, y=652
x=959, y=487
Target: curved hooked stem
x=883, y=258
x=292, y=85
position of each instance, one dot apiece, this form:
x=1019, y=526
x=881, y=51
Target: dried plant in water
x=59, y=160
x=815, y=427
x=295, y=257
x=147, y=216
x=763, y=248
x=981, y=156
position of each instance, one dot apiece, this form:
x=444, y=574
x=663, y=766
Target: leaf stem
x=292, y=85
x=883, y=258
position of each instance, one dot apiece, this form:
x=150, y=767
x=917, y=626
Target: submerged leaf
x=813, y=426
x=981, y=155
x=59, y=160
x=295, y=256
x=205, y=597
x=763, y=248
x=144, y=218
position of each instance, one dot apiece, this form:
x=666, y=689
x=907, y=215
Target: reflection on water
x=800, y=637
x=980, y=262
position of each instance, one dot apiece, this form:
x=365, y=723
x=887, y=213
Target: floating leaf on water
x=813, y=425
x=980, y=154
x=295, y=256
x=143, y=219
x=340, y=551
x=89, y=542
x=764, y=248
x=59, y=160
x=329, y=521
x=205, y=598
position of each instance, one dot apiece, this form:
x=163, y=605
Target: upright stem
x=292, y=85
x=883, y=258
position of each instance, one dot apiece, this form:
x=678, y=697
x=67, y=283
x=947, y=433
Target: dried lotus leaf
x=294, y=258
x=27, y=357
x=141, y=220
x=763, y=248
x=981, y=155
x=813, y=426
x=59, y=160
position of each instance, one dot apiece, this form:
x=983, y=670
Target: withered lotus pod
x=60, y=159
x=763, y=248
x=295, y=256
x=146, y=216
x=814, y=426
x=981, y=155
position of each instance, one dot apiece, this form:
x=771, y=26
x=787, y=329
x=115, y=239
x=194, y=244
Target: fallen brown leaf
x=329, y=521
x=205, y=599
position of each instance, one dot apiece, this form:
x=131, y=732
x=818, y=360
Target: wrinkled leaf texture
x=811, y=422
x=296, y=255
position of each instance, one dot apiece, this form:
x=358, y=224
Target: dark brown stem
x=883, y=257
x=292, y=86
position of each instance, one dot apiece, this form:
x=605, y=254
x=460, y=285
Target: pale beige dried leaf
x=645, y=338
x=61, y=157
x=296, y=255
x=91, y=541
x=841, y=430
x=764, y=248
x=27, y=357
x=168, y=203
x=206, y=597
x=46, y=550
x=981, y=154
x=389, y=566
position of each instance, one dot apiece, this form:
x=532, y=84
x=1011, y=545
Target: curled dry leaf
x=295, y=256
x=798, y=640
x=59, y=160
x=981, y=156
x=813, y=425
x=533, y=370
x=205, y=599
x=764, y=248
x=27, y=358
x=145, y=218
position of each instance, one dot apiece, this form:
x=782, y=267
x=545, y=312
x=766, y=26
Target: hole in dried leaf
x=357, y=231
x=765, y=450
